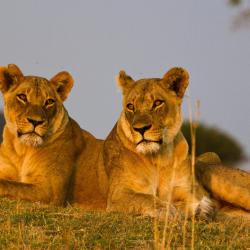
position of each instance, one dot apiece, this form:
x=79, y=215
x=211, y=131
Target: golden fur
x=41, y=143
x=229, y=187
x=143, y=166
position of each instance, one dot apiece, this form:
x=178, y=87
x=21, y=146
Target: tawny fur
x=151, y=173
x=45, y=156
x=41, y=143
x=230, y=187
x=143, y=173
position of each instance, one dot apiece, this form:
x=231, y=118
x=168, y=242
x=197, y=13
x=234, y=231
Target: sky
x=95, y=39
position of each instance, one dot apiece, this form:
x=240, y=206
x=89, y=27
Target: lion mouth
x=19, y=133
x=149, y=141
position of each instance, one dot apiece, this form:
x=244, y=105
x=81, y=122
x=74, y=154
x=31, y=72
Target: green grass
x=33, y=226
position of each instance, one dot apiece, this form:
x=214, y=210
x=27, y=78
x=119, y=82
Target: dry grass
x=33, y=226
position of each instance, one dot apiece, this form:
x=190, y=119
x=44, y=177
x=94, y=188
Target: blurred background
x=95, y=39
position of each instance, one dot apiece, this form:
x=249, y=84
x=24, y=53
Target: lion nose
x=142, y=129
x=35, y=122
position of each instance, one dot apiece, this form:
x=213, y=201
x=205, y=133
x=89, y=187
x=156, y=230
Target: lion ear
x=124, y=81
x=177, y=80
x=9, y=76
x=63, y=82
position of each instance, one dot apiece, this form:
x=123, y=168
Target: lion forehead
x=36, y=87
x=145, y=91
x=144, y=86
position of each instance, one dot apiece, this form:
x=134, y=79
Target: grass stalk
x=193, y=127
x=156, y=230
x=168, y=204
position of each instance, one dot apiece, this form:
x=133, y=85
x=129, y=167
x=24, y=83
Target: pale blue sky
x=95, y=39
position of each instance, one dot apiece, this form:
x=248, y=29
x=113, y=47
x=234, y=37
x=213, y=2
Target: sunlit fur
x=155, y=104
x=41, y=143
x=124, y=174
x=31, y=139
x=165, y=120
x=134, y=169
x=37, y=90
x=229, y=186
x=148, y=147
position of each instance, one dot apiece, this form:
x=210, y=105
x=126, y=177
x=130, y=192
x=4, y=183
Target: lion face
x=151, y=116
x=33, y=106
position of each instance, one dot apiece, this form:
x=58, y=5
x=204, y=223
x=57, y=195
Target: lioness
x=143, y=165
x=41, y=143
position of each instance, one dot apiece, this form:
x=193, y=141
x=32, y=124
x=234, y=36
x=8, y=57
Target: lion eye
x=49, y=102
x=130, y=107
x=22, y=98
x=157, y=103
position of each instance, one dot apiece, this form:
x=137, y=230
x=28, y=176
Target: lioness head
x=151, y=116
x=33, y=106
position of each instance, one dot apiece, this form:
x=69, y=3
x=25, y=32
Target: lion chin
x=31, y=139
x=148, y=147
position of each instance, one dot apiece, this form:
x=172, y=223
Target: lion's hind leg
x=209, y=158
x=233, y=211
x=225, y=184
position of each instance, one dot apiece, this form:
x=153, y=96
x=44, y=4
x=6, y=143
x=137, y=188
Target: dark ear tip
x=68, y=76
x=65, y=72
x=63, y=76
x=11, y=65
x=184, y=73
x=122, y=73
x=120, y=77
x=177, y=71
x=13, y=69
x=177, y=79
x=63, y=82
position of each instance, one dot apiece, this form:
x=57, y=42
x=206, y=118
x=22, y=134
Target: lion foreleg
x=139, y=203
x=23, y=191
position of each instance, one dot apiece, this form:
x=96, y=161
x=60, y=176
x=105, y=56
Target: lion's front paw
x=205, y=209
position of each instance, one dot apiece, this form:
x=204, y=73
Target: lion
x=41, y=143
x=143, y=165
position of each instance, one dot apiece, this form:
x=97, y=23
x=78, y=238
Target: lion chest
x=161, y=181
x=173, y=185
x=23, y=169
x=28, y=167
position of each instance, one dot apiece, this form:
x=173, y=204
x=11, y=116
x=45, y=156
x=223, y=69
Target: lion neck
x=172, y=152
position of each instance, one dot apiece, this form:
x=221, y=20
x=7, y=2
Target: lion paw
x=205, y=210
